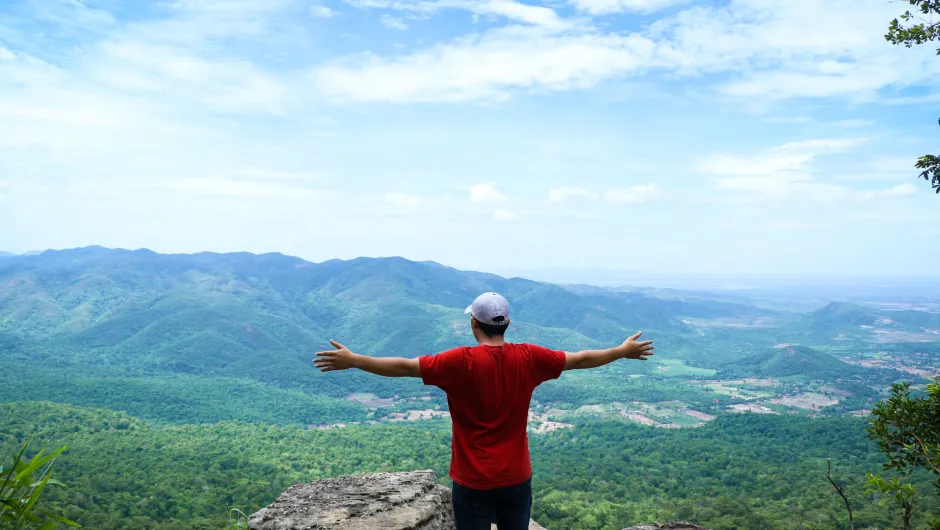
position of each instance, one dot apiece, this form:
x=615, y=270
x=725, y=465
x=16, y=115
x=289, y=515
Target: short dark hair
x=492, y=330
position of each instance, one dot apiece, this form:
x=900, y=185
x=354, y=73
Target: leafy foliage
x=907, y=429
x=895, y=490
x=911, y=29
x=740, y=471
x=21, y=486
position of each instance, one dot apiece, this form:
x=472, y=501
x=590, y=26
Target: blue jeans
x=509, y=507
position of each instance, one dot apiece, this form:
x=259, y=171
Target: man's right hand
x=633, y=349
x=339, y=358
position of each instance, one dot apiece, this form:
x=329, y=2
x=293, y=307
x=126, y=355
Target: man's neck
x=492, y=341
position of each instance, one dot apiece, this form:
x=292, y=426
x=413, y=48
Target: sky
x=675, y=137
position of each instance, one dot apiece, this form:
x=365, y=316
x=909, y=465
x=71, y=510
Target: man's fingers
x=331, y=353
x=645, y=342
x=337, y=345
x=636, y=335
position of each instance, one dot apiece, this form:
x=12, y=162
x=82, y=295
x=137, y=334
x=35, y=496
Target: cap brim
x=468, y=312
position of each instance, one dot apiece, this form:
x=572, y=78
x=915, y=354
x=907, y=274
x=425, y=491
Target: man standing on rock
x=489, y=388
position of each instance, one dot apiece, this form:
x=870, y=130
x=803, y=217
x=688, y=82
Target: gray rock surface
x=381, y=501
x=667, y=526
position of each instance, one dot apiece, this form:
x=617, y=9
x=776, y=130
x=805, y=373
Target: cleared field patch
x=666, y=414
x=417, y=415
x=806, y=401
x=751, y=407
x=678, y=368
x=541, y=424
x=726, y=388
x=371, y=400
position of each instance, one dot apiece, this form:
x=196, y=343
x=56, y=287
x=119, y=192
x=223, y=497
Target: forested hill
x=209, y=337
x=792, y=359
x=212, y=311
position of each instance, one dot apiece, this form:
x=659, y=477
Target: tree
x=907, y=429
x=910, y=29
x=894, y=490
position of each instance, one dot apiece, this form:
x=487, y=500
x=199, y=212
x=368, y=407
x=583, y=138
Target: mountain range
x=134, y=330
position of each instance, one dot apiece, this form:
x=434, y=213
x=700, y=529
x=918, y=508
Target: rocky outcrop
x=381, y=501
x=386, y=501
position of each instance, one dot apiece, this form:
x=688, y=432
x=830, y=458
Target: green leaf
x=33, y=498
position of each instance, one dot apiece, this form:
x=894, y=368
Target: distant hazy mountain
x=844, y=317
x=6, y=254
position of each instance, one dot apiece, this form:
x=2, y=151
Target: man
x=489, y=387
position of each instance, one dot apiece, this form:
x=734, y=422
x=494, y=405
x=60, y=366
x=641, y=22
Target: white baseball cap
x=490, y=308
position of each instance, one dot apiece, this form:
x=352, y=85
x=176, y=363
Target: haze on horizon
x=660, y=137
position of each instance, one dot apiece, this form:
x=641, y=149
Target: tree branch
x=841, y=492
x=923, y=447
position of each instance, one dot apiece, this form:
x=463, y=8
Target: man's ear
x=474, y=324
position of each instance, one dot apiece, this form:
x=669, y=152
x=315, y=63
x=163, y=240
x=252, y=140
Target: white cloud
x=634, y=194
x=402, y=199
x=763, y=49
x=600, y=7
x=517, y=11
x=791, y=170
x=319, y=11
x=562, y=194
x=901, y=190
x=393, y=22
x=779, y=170
x=504, y=215
x=486, y=193
x=486, y=66
x=784, y=49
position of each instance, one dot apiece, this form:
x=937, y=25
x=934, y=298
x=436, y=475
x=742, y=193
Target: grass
x=678, y=368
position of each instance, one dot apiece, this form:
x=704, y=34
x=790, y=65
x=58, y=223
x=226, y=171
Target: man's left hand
x=339, y=359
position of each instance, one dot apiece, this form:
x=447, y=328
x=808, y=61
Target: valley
x=149, y=360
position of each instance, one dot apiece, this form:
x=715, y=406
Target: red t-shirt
x=488, y=391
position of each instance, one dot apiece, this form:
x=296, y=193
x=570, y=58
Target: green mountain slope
x=97, y=326
x=791, y=360
x=106, y=321
x=845, y=317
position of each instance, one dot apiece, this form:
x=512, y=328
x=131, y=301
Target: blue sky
x=657, y=136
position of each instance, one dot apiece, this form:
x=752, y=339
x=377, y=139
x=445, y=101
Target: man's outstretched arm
x=341, y=359
x=630, y=349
